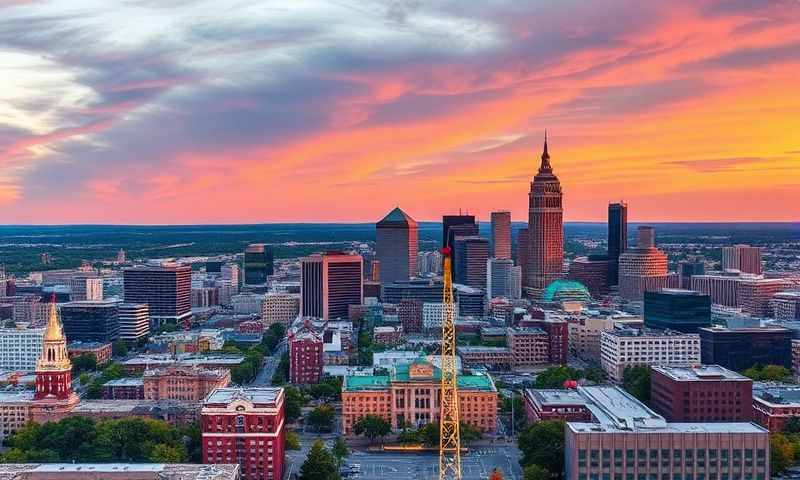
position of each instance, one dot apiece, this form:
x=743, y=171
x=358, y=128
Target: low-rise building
x=493, y=358
x=102, y=351
x=707, y=393
x=584, y=331
x=140, y=363
x=529, y=346
x=305, y=356
x=388, y=334
x=245, y=426
x=626, y=439
x=629, y=347
x=134, y=322
x=740, y=348
x=188, y=383
x=567, y=405
x=124, y=389
x=280, y=308
x=409, y=396
x=775, y=404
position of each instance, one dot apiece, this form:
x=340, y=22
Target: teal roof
x=357, y=383
x=397, y=217
x=565, y=290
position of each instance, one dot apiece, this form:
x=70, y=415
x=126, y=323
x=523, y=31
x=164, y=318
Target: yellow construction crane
x=449, y=434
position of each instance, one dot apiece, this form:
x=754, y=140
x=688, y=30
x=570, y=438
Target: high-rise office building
x=688, y=268
x=457, y=226
x=643, y=268
x=545, y=227
x=86, y=287
x=89, y=321
x=744, y=258
x=20, y=348
x=258, y=264
x=397, y=246
x=499, y=278
x=501, y=235
x=523, y=250
x=471, y=254
x=617, y=238
x=682, y=310
x=229, y=274
x=424, y=290
x=165, y=288
x=329, y=283
x=134, y=321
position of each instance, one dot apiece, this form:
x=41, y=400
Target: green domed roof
x=565, y=290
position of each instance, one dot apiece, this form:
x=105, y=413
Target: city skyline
x=162, y=113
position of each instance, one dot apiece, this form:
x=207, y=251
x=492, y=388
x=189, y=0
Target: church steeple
x=53, y=369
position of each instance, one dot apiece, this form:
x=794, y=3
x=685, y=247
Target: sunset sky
x=177, y=111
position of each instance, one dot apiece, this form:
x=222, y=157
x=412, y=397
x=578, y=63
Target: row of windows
x=666, y=476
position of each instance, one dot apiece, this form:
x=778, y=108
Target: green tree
x=85, y=362
x=319, y=464
x=595, y=375
x=468, y=433
x=119, y=348
x=636, y=381
x=84, y=378
x=163, y=453
x=372, y=427
x=339, y=451
x=555, y=377
x=768, y=373
x=781, y=452
x=792, y=425
x=321, y=417
x=272, y=337
x=535, y=472
x=428, y=434
x=292, y=440
x=282, y=371
x=293, y=403
x=542, y=444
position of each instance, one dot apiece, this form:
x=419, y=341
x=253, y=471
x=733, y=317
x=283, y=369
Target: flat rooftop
x=616, y=408
x=762, y=329
x=268, y=395
x=467, y=349
x=777, y=395
x=647, y=332
x=125, y=382
x=711, y=427
x=556, y=397
x=700, y=373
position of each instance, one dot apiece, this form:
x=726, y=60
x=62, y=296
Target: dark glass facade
x=617, y=238
x=740, y=349
x=425, y=291
x=166, y=289
x=681, y=310
x=258, y=264
x=90, y=321
x=470, y=254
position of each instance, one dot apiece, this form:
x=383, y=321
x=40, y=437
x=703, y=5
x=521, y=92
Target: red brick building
x=707, y=393
x=101, y=351
x=774, y=405
x=557, y=330
x=565, y=405
x=305, y=356
x=529, y=346
x=182, y=382
x=245, y=426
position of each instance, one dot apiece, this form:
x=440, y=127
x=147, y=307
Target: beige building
x=584, y=332
x=188, y=383
x=280, y=308
x=629, y=347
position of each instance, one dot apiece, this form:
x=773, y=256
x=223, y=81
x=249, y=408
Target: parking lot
x=476, y=465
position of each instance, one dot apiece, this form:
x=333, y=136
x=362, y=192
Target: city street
x=264, y=376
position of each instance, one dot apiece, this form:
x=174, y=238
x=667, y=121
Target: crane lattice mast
x=449, y=434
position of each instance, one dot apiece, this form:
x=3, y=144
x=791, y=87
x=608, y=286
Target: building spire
x=545, y=165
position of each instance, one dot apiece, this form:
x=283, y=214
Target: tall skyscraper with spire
x=545, y=227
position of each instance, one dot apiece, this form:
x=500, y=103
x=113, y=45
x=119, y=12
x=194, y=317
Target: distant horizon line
x=579, y=222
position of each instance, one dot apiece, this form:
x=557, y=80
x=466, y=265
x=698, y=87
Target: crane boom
x=449, y=430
